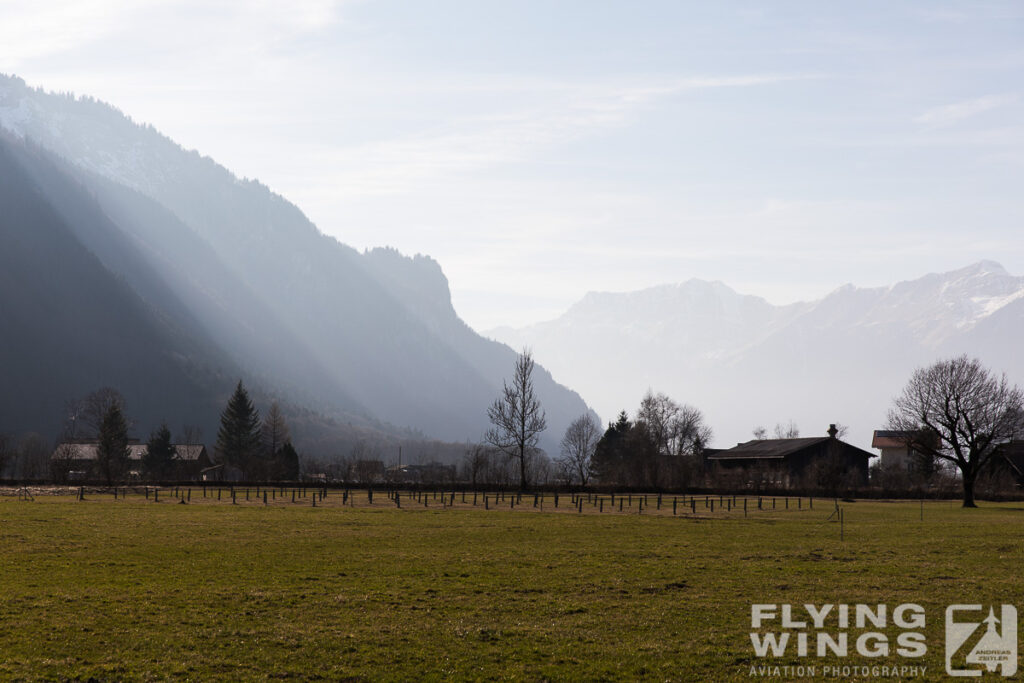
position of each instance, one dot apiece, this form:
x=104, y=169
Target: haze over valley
x=748, y=363
x=130, y=262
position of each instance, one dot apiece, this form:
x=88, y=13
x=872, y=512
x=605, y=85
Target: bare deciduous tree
x=191, y=435
x=577, y=447
x=6, y=452
x=33, y=461
x=517, y=417
x=95, y=407
x=760, y=433
x=474, y=464
x=787, y=431
x=274, y=430
x=63, y=460
x=957, y=411
x=675, y=429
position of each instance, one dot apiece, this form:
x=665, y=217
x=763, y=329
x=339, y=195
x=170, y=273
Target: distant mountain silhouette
x=230, y=280
x=745, y=362
x=70, y=325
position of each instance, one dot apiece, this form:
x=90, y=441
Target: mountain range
x=745, y=362
x=127, y=261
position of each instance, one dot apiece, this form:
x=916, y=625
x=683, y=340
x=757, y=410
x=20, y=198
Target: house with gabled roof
x=78, y=460
x=792, y=462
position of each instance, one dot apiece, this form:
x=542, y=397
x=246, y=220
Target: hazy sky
x=539, y=150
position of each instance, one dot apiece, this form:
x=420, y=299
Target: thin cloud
x=951, y=114
x=33, y=30
x=557, y=114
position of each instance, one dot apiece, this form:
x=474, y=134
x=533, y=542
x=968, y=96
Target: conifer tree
x=160, y=454
x=238, y=440
x=112, y=450
x=287, y=463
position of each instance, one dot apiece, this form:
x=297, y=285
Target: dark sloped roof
x=187, y=452
x=767, y=449
x=88, y=451
x=137, y=451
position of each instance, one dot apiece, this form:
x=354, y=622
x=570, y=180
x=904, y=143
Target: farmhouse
x=77, y=460
x=897, y=454
x=792, y=462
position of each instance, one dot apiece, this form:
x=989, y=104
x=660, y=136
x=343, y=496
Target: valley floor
x=137, y=590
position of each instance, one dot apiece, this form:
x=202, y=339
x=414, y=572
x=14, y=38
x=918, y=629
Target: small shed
x=191, y=461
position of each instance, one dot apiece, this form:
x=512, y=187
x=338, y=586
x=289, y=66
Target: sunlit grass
x=137, y=590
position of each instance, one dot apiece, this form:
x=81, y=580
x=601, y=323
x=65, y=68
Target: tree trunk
x=969, y=492
x=522, y=469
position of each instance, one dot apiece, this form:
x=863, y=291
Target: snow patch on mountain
x=746, y=362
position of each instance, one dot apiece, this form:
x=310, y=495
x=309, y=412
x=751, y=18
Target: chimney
x=832, y=431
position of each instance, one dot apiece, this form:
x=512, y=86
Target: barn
x=812, y=461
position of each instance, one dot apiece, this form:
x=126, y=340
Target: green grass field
x=136, y=590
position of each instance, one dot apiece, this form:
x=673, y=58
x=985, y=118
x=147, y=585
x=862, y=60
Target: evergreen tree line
x=258, y=449
x=662, y=448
